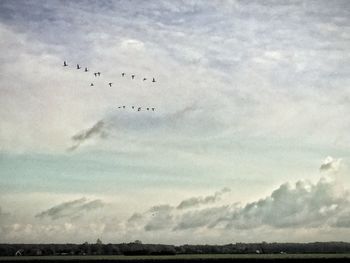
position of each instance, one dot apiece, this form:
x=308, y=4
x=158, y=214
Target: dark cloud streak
x=98, y=129
x=196, y=201
x=70, y=209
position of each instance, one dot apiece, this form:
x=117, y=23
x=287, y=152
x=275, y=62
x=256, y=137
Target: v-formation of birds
x=123, y=74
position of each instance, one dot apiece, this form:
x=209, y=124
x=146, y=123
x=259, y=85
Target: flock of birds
x=123, y=74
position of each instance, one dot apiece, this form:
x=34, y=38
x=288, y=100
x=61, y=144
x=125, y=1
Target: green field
x=179, y=257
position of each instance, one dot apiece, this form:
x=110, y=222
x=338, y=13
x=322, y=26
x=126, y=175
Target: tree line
x=137, y=248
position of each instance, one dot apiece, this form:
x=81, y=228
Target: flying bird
x=123, y=107
x=78, y=67
x=147, y=108
x=119, y=107
x=91, y=84
x=110, y=84
x=98, y=73
x=152, y=109
x=123, y=74
x=144, y=79
x=65, y=64
x=133, y=107
x=132, y=76
x=95, y=74
x=139, y=108
x=86, y=70
x=153, y=80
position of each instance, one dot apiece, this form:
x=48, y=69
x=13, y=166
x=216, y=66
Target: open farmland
x=188, y=258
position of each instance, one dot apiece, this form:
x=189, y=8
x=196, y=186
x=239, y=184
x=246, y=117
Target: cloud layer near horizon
x=301, y=205
x=321, y=206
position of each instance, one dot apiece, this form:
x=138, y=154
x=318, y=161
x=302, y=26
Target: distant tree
x=108, y=249
x=86, y=248
x=97, y=248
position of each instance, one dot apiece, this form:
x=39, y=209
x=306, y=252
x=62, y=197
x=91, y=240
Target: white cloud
x=132, y=44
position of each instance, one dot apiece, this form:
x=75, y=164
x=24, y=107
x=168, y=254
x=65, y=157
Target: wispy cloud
x=97, y=130
x=71, y=209
x=196, y=201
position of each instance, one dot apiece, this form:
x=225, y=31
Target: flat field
x=187, y=258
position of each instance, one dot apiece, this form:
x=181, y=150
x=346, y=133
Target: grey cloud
x=98, y=129
x=330, y=164
x=131, y=123
x=166, y=216
x=302, y=205
x=160, y=220
x=196, y=201
x=290, y=206
x=135, y=217
x=156, y=218
x=134, y=122
x=151, y=211
x=201, y=218
x=343, y=220
x=141, y=122
x=160, y=208
x=71, y=209
x=3, y=214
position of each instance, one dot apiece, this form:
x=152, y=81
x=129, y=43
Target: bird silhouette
x=110, y=84
x=123, y=74
x=65, y=64
x=86, y=70
x=78, y=67
x=91, y=84
x=133, y=107
x=95, y=74
x=98, y=73
x=144, y=79
x=139, y=108
x=147, y=108
x=123, y=107
x=132, y=76
x=153, y=80
x=152, y=109
x=119, y=107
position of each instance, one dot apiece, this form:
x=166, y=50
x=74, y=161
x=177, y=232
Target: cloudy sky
x=249, y=140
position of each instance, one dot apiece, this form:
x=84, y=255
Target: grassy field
x=188, y=258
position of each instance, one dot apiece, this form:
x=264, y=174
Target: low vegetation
x=137, y=248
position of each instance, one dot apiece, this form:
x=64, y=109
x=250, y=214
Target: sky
x=249, y=140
